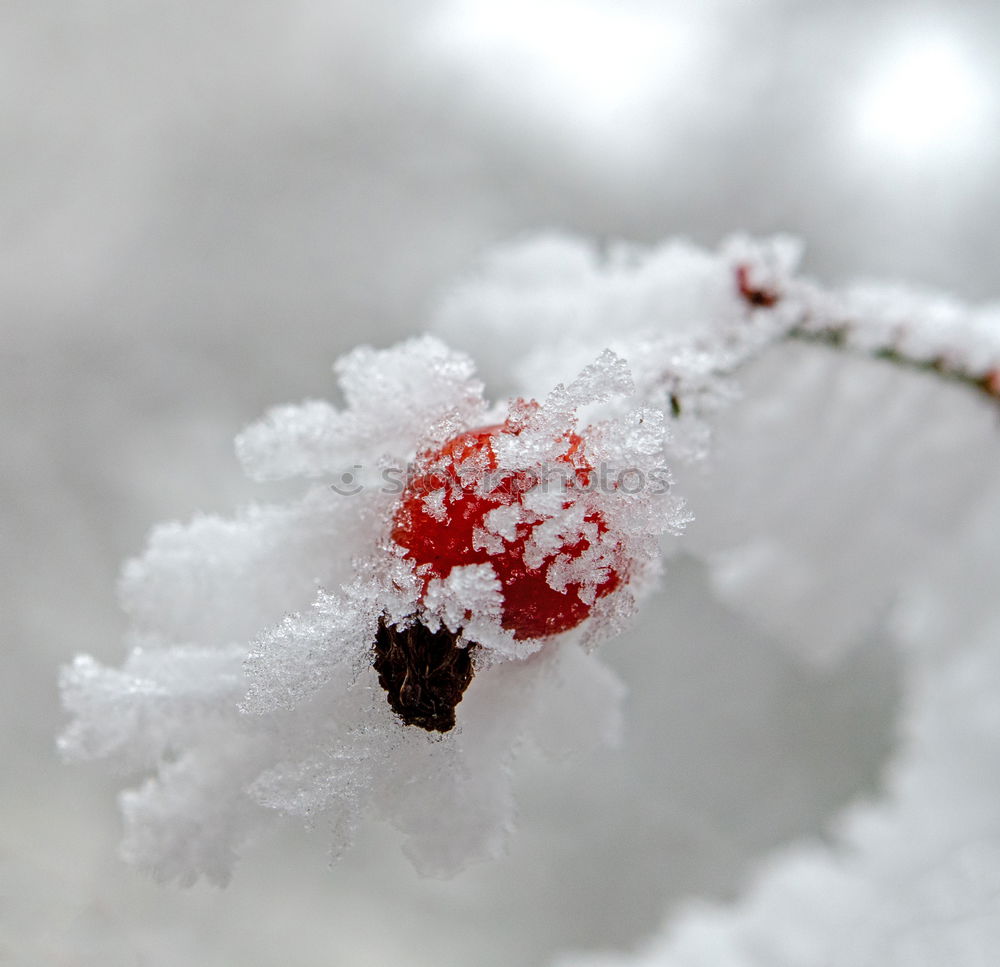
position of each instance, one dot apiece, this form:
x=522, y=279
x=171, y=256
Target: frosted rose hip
x=446, y=518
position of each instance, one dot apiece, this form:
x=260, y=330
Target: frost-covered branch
x=381, y=646
x=926, y=331
x=688, y=319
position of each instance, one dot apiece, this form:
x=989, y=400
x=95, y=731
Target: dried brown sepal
x=424, y=673
x=757, y=296
x=991, y=383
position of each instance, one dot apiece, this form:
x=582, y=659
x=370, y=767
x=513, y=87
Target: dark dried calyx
x=424, y=673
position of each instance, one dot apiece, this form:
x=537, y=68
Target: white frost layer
x=394, y=399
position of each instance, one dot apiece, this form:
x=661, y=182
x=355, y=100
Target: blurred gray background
x=203, y=204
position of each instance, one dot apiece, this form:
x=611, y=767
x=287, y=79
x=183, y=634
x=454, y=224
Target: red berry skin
x=531, y=608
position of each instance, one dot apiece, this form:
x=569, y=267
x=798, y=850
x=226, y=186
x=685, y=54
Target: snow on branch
x=686, y=318
x=381, y=646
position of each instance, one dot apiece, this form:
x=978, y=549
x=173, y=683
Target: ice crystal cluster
x=839, y=453
x=253, y=687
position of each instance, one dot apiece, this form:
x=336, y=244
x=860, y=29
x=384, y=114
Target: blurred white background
x=203, y=204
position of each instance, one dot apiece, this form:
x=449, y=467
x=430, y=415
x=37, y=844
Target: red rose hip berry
x=442, y=522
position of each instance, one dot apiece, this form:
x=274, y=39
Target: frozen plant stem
x=833, y=325
x=821, y=320
x=836, y=338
